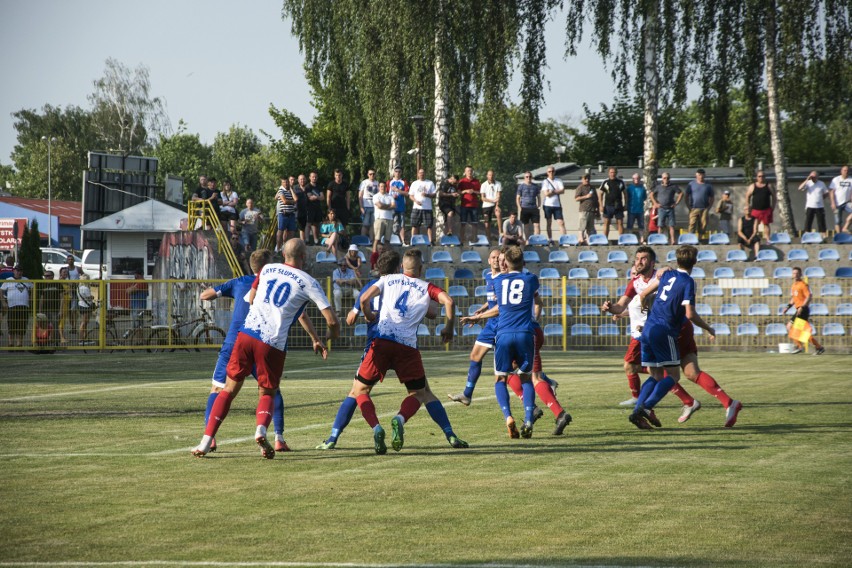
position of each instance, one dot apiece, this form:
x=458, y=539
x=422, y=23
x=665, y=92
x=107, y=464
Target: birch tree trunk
x=441, y=135
x=652, y=93
x=394, y=159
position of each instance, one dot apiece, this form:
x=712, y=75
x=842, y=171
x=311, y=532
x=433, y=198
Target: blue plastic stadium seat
x=697, y=273
x=538, y=241
x=811, y=238
x=361, y=330
x=783, y=309
x=549, y=274
x=697, y=331
x=607, y=273
x=457, y=292
x=730, y=310
x=834, y=328
x=598, y=239
x=486, y=272
x=703, y=310
x=588, y=256
x=783, y=272
x=747, y=329
x=463, y=274
x=619, y=292
x=361, y=240
x=616, y=256
x=558, y=256
x=797, y=254
x=598, y=292
x=721, y=328
x=435, y=274
x=473, y=330
x=322, y=256
x=581, y=329
x=450, y=241
x=754, y=272
x=628, y=239
x=771, y=290
x=815, y=272
x=828, y=254
x=775, y=329
x=843, y=272
x=830, y=290
x=587, y=310
x=780, y=239
x=711, y=290
x=420, y=240
x=657, y=239
x=844, y=309
x=741, y=292
x=481, y=241
x=557, y=310
x=471, y=309
x=608, y=329
x=767, y=255
x=759, y=310
x=423, y=330
x=545, y=291
x=444, y=312
x=707, y=256
x=572, y=291
x=531, y=257
x=470, y=256
x=842, y=238
x=719, y=239
x=553, y=329
x=819, y=309
x=687, y=239
x=568, y=240
x=481, y=291
x=441, y=256
x=671, y=256
x=439, y=328
x=723, y=272
x=361, y=256
x=736, y=256
x=395, y=240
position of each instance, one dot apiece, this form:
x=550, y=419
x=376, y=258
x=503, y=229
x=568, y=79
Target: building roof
x=148, y=216
x=68, y=212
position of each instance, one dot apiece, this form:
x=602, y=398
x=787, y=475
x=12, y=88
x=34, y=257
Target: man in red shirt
x=468, y=188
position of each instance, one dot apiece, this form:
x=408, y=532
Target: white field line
x=215, y=564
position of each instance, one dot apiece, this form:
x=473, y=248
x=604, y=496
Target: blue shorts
x=514, y=347
x=637, y=218
x=287, y=222
x=666, y=217
x=220, y=373
x=659, y=348
x=613, y=212
x=552, y=213
x=488, y=334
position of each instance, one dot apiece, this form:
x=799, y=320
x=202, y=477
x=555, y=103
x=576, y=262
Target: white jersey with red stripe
x=405, y=301
x=283, y=291
x=634, y=308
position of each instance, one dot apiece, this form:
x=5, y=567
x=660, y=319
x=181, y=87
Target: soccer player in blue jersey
x=674, y=302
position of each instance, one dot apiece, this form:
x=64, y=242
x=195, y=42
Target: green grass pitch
x=95, y=468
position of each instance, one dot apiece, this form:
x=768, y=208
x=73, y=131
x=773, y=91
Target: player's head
x=797, y=274
x=644, y=261
x=388, y=262
x=494, y=260
x=295, y=252
x=412, y=262
x=259, y=259
x=514, y=258
x=686, y=255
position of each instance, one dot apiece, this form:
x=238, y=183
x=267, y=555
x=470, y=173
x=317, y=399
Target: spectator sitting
x=747, y=235
x=352, y=259
x=380, y=248
x=346, y=283
x=331, y=232
x=513, y=231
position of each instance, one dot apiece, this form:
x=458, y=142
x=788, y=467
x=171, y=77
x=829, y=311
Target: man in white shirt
x=552, y=189
x=841, y=200
x=814, y=206
x=345, y=283
x=368, y=188
x=490, y=195
x=421, y=193
x=384, y=205
x=15, y=299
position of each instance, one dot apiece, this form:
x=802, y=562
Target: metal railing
x=202, y=215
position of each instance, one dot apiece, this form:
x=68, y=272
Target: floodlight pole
x=50, y=142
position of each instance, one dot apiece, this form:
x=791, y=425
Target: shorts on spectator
x=368, y=217
x=398, y=221
x=587, y=222
x=421, y=218
x=287, y=222
x=762, y=215
x=666, y=217
x=446, y=208
x=530, y=215
x=613, y=212
x=638, y=219
x=552, y=213
x=469, y=215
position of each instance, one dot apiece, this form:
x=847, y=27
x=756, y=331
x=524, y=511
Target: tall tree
x=182, y=154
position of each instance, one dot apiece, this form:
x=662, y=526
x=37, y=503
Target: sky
x=215, y=62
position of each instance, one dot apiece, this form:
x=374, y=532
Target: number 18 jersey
x=405, y=301
x=515, y=293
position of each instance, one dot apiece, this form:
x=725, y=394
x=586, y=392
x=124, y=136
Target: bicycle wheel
x=159, y=342
x=136, y=340
x=210, y=337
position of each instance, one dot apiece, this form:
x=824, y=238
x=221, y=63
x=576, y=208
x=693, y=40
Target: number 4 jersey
x=282, y=294
x=405, y=301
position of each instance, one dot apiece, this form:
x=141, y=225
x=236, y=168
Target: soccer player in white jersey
x=278, y=297
x=405, y=301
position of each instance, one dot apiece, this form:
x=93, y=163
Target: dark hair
x=388, y=262
x=212, y=179
x=514, y=257
x=686, y=255
x=647, y=250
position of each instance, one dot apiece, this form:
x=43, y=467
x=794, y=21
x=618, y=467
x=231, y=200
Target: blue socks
x=662, y=388
x=529, y=400
x=647, y=388
x=278, y=412
x=472, y=376
x=344, y=415
x=502, y=393
x=439, y=415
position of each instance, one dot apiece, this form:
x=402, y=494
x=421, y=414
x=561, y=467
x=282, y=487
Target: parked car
x=54, y=258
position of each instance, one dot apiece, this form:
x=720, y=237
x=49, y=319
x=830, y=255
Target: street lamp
x=50, y=142
x=418, y=124
x=559, y=150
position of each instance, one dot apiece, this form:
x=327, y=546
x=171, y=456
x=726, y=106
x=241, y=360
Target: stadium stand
x=828, y=254
x=558, y=256
x=553, y=329
x=842, y=239
x=598, y=240
x=361, y=240
x=616, y=256
x=779, y=239
x=723, y=272
x=759, y=310
x=687, y=239
x=549, y=274
x=607, y=272
x=707, y=256
x=797, y=254
x=747, y=329
x=538, y=241
x=470, y=256
x=814, y=272
x=783, y=272
x=719, y=239
x=420, y=240
x=811, y=239
x=598, y=292
x=736, y=255
x=776, y=329
x=463, y=274
x=843, y=272
x=628, y=239
x=608, y=329
x=531, y=257
x=435, y=274
x=581, y=329
x=657, y=239
x=588, y=256
x=833, y=328
x=754, y=272
x=568, y=241
x=767, y=255
x=441, y=256
x=450, y=241
x=481, y=241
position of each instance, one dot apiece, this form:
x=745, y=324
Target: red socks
x=684, y=397
x=514, y=382
x=409, y=407
x=709, y=384
x=220, y=409
x=634, y=383
x=264, y=410
x=368, y=409
x=545, y=393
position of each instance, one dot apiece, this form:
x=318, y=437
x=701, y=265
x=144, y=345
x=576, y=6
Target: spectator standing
x=587, y=197
x=612, y=201
x=761, y=197
x=421, y=193
x=345, y=283
x=747, y=235
x=15, y=298
x=527, y=201
x=285, y=209
x=250, y=219
x=699, y=198
x=490, y=193
x=138, y=294
x=314, y=208
x=65, y=305
x=384, y=205
x=815, y=192
x=298, y=189
x=378, y=249
x=448, y=196
x=228, y=210
x=7, y=270
x=74, y=273
x=552, y=190
x=513, y=231
x=469, y=190
x=636, y=196
x=50, y=299
x=665, y=197
x=213, y=197
x=725, y=209
x=368, y=188
x=339, y=198
x=85, y=305
x=398, y=188
x=841, y=200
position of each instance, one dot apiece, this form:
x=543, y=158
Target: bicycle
x=204, y=331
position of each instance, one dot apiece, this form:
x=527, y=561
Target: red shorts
x=539, y=342
x=686, y=339
x=762, y=215
x=248, y=353
x=634, y=352
x=384, y=355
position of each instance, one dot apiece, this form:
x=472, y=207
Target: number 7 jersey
x=283, y=291
x=405, y=301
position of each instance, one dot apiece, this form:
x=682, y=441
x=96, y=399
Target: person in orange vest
x=801, y=299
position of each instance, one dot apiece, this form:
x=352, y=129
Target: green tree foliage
x=29, y=255
x=182, y=154
x=236, y=155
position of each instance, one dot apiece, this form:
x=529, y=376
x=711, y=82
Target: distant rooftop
x=69, y=212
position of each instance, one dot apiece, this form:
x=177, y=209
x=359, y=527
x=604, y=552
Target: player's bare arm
x=450, y=309
x=332, y=322
x=208, y=295
x=318, y=346
x=366, y=303
x=487, y=314
x=693, y=316
x=616, y=308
